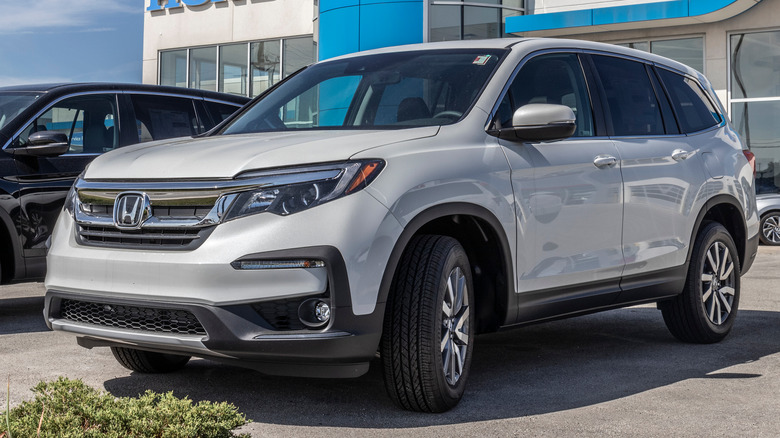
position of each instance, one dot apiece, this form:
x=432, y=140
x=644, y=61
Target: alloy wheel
x=718, y=281
x=455, y=326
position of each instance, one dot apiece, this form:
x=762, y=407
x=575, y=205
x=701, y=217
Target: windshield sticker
x=481, y=60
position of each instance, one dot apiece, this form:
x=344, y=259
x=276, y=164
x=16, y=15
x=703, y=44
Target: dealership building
x=245, y=46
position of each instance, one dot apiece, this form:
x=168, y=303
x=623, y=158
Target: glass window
x=556, y=79
x=631, y=101
x=444, y=22
x=693, y=108
x=173, y=68
x=158, y=117
x=14, y=103
x=757, y=125
x=689, y=51
x=468, y=20
x=87, y=121
x=220, y=111
x=755, y=63
x=298, y=53
x=233, y=69
x=203, y=68
x=424, y=88
x=639, y=45
x=481, y=23
x=265, y=67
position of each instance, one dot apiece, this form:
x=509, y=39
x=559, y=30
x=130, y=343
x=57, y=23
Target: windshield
x=393, y=90
x=12, y=104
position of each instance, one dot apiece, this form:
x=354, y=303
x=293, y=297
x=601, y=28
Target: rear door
x=661, y=171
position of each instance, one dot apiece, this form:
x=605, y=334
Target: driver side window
x=554, y=78
x=87, y=121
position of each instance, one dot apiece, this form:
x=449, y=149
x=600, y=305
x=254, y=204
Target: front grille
x=131, y=317
x=160, y=238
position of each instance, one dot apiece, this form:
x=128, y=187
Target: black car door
x=90, y=123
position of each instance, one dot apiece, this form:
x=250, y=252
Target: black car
x=49, y=133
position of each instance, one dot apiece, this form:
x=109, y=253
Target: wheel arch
x=727, y=211
x=480, y=233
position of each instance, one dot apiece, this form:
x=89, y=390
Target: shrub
x=69, y=408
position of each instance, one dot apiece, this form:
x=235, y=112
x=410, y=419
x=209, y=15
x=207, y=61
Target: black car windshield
x=13, y=103
x=392, y=90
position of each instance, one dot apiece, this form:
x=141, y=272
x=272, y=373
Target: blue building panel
x=329, y=5
x=621, y=14
x=384, y=24
x=554, y=20
x=348, y=26
x=645, y=12
x=339, y=32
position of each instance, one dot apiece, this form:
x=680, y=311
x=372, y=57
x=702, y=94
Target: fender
x=444, y=210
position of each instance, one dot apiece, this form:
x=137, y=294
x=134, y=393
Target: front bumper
x=262, y=335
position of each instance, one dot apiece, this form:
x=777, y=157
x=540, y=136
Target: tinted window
x=694, y=111
x=555, y=79
x=220, y=111
x=12, y=104
x=631, y=102
x=160, y=117
x=87, y=121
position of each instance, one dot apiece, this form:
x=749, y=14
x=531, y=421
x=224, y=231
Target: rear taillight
x=751, y=159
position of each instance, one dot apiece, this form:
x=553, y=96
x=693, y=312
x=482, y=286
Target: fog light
x=314, y=312
x=322, y=311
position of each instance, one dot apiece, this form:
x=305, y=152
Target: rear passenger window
x=160, y=117
x=555, y=79
x=631, y=101
x=694, y=110
x=220, y=111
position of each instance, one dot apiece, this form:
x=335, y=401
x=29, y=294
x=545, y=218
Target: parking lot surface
x=617, y=373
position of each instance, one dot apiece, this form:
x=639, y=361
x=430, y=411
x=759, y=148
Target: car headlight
x=292, y=190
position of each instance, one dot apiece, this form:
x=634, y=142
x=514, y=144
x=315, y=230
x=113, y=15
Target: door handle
x=680, y=154
x=602, y=161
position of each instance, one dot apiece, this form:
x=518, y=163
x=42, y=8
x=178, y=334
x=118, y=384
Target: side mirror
x=540, y=122
x=44, y=144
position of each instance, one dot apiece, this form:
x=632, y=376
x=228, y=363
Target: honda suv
x=48, y=134
x=403, y=200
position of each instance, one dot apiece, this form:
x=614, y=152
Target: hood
x=224, y=156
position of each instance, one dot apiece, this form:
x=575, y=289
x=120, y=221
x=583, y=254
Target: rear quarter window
x=694, y=110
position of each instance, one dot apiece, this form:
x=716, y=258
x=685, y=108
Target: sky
x=44, y=41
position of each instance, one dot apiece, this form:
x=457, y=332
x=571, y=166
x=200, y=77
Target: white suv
x=404, y=200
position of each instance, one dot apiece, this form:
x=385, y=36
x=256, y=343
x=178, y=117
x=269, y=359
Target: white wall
x=224, y=22
x=546, y=6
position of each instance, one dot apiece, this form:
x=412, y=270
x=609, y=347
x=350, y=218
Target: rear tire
x=147, y=362
x=705, y=311
x=428, y=328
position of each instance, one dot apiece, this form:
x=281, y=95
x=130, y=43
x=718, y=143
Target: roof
x=72, y=87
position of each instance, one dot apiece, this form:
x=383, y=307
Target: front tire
x=428, y=329
x=770, y=229
x=147, y=362
x=705, y=311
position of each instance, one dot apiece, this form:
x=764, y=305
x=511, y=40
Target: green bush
x=69, y=408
